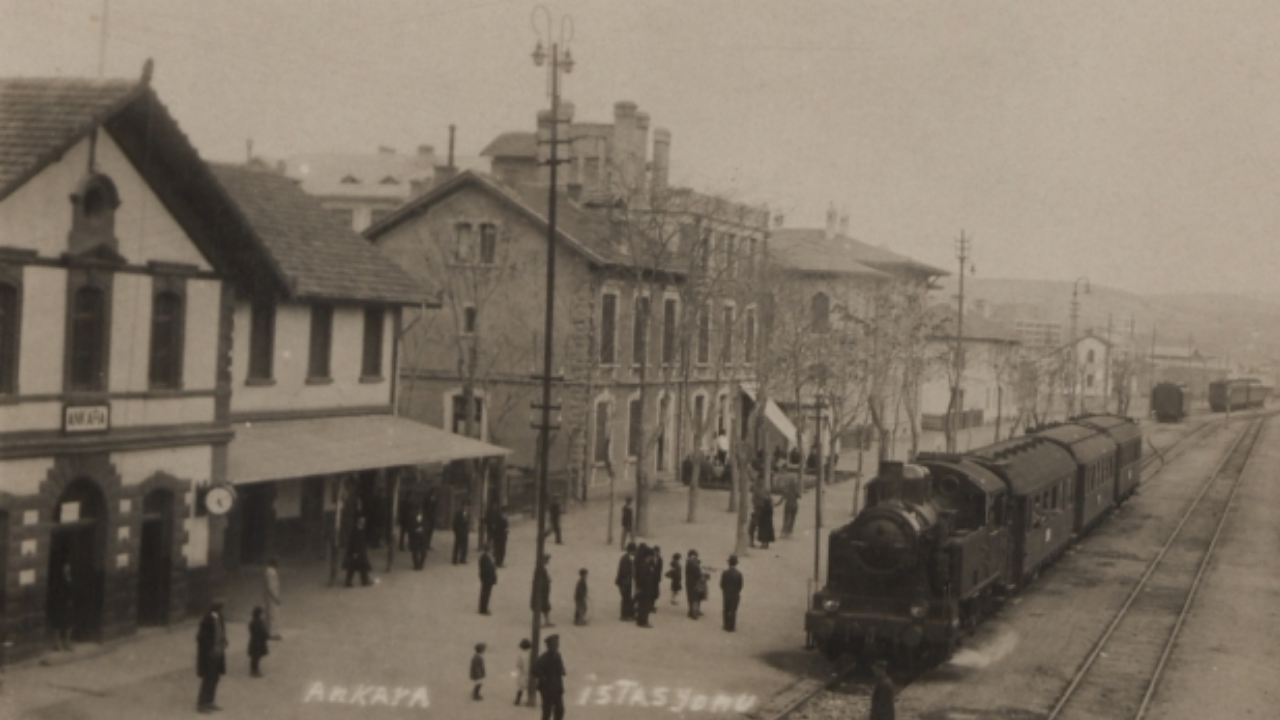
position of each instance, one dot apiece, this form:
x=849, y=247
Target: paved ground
x=406, y=642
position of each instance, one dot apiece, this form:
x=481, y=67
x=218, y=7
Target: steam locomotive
x=943, y=541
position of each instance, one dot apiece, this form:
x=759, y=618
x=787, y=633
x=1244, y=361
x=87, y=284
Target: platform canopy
x=275, y=450
x=774, y=415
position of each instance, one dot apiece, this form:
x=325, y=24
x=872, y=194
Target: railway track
x=802, y=700
x=1121, y=673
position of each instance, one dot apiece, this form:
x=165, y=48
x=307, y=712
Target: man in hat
x=731, y=588
x=549, y=671
x=624, y=579
x=882, y=695
x=211, y=655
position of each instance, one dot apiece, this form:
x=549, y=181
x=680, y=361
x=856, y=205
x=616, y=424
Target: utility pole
x=1074, y=364
x=1106, y=371
x=957, y=368
x=818, y=405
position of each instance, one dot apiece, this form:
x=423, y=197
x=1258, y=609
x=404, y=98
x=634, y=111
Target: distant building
x=1038, y=333
x=985, y=394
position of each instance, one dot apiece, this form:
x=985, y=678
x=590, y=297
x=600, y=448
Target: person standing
x=271, y=596
x=211, y=656
x=580, y=599
x=549, y=671
x=429, y=510
x=676, y=573
x=695, y=583
x=258, y=636
x=540, y=602
x=498, y=530
x=406, y=511
x=882, y=695
x=477, y=671
x=731, y=588
x=790, y=506
x=488, y=578
x=358, y=555
x=522, y=669
x=418, y=541
x=764, y=519
x=624, y=580
x=628, y=523
x=461, y=524
x=644, y=583
x=554, y=510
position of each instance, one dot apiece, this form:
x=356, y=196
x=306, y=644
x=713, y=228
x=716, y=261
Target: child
x=477, y=671
x=258, y=635
x=580, y=599
x=676, y=574
x=522, y=669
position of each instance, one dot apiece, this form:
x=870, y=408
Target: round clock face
x=219, y=500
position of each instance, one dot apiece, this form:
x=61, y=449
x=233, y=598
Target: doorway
x=76, y=571
x=155, y=560
x=258, y=516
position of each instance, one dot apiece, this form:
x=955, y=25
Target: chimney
x=661, y=158
x=453, y=130
x=844, y=224
x=832, y=219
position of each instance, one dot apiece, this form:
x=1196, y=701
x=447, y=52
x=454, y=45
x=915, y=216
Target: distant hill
x=1245, y=329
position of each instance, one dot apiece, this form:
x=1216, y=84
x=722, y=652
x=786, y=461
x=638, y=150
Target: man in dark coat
x=624, y=580
x=498, y=529
x=644, y=584
x=211, y=656
x=731, y=588
x=358, y=555
x=540, y=601
x=553, y=513
x=882, y=695
x=406, y=510
x=488, y=578
x=695, y=584
x=418, y=541
x=764, y=519
x=549, y=671
x=790, y=506
x=429, y=509
x=628, y=523
x=461, y=523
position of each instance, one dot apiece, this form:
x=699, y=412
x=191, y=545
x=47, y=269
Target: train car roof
x=1086, y=443
x=1026, y=464
x=1121, y=429
x=986, y=480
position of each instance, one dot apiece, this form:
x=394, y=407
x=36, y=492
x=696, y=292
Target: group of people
x=639, y=583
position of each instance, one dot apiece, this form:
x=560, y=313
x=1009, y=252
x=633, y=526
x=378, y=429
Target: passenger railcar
x=1170, y=402
x=1238, y=394
x=941, y=542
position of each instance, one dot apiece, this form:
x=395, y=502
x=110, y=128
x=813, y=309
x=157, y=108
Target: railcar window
x=1053, y=504
x=999, y=511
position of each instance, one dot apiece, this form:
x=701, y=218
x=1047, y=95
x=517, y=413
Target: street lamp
x=1075, y=312
x=560, y=62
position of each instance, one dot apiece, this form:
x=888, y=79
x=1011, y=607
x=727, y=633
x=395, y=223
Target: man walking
x=549, y=671
x=461, y=523
x=628, y=523
x=731, y=588
x=211, y=656
x=624, y=579
x=790, y=506
x=488, y=578
x=271, y=597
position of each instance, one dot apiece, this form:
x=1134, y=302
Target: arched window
x=167, y=320
x=88, y=345
x=820, y=313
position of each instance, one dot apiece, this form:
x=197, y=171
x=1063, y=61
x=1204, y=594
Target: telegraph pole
x=957, y=368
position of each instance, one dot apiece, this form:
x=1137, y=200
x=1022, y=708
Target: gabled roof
x=512, y=144
x=808, y=253
x=844, y=251
x=582, y=231
x=976, y=328
x=318, y=254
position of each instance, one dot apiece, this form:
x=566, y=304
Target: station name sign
x=78, y=419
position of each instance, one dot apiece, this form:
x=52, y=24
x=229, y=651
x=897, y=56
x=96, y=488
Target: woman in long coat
x=764, y=519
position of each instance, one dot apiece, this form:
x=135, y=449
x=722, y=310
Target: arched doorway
x=77, y=542
x=155, y=558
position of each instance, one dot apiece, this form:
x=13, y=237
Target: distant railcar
x=1170, y=402
x=1237, y=394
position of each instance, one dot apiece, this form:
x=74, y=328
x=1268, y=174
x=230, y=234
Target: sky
x=1134, y=143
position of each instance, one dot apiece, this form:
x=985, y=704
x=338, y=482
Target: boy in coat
x=211, y=656
x=477, y=671
x=258, y=636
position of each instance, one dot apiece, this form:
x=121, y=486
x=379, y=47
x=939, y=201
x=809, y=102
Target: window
x=640, y=331
x=167, y=329
x=371, y=358
x=704, y=337
x=730, y=252
x=749, y=351
x=262, y=340
x=669, y=309
x=820, y=313
x=10, y=315
x=727, y=350
x=1089, y=357
x=460, y=416
x=635, y=434
x=488, y=243
x=751, y=256
x=699, y=412
x=608, y=329
x=321, y=341
x=469, y=320
x=466, y=252
x=88, y=346
x=601, y=454
x=704, y=251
